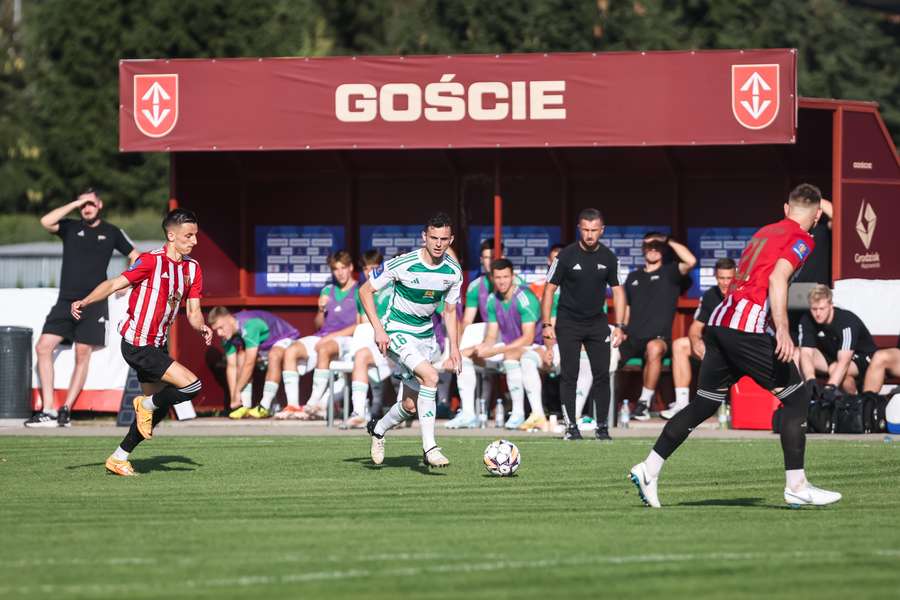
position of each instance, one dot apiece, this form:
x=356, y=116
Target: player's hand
x=76, y=309
x=382, y=341
x=618, y=337
x=784, y=345
x=699, y=349
x=207, y=334
x=454, y=361
x=483, y=350
x=815, y=388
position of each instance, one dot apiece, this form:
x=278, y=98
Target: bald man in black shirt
x=582, y=271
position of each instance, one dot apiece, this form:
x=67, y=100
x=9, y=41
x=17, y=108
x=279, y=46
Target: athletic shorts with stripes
x=732, y=354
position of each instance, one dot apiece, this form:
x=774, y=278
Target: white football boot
x=377, y=450
x=810, y=496
x=435, y=458
x=645, y=485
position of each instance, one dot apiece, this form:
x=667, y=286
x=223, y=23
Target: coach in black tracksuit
x=582, y=271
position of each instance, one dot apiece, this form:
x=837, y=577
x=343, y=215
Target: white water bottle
x=624, y=414
x=499, y=414
x=482, y=414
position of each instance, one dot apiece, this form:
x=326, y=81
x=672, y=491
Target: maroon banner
x=516, y=100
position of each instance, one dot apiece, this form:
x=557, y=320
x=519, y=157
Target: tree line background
x=59, y=63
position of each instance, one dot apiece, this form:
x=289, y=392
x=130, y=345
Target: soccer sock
x=682, y=396
x=134, y=437
x=148, y=404
x=291, y=381
x=426, y=406
x=52, y=412
x=465, y=381
x=795, y=399
x=171, y=395
x=514, y=382
x=320, y=386
x=247, y=396
x=395, y=416
x=270, y=388
x=679, y=427
x=120, y=454
x=359, y=391
x=646, y=396
x=795, y=479
x=583, y=384
x=531, y=381
x=654, y=463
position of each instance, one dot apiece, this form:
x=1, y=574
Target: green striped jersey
x=418, y=290
x=382, y=301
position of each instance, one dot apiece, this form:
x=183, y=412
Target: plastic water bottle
x=499, y=414
x=624, y=414
x=483, y=413
x=723, y=417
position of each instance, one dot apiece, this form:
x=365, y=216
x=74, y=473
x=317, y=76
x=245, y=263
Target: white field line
x=415, y=570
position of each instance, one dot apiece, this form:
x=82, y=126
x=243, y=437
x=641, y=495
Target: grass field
x=304, y=517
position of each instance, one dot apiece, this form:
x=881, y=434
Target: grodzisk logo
x=865, y=228
x=755, y=94
x=155, y=104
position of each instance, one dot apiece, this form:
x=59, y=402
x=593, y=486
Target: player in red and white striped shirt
x=160, y=281
x=748, y=334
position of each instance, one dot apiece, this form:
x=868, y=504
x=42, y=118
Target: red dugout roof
x=471, y=101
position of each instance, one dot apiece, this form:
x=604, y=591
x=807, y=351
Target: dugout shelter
x=287, y=159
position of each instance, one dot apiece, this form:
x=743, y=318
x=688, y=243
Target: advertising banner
x=293, y=260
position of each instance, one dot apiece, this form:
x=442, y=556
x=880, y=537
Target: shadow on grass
x=414, y=463
x=754, y=502
x=148, y=465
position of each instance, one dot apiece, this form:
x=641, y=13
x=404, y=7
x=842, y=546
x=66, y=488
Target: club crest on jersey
x=134, y=265
x=428, y=294
x=801, y=249
x=174, y=301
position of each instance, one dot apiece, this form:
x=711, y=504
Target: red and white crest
x=755, y=94
x=155, y=104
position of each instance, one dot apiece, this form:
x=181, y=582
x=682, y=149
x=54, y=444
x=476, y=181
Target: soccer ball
x=502, y=458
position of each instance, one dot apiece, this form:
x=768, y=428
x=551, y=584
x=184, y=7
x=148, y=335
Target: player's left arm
x=450, y=323
x=100, y=293
x=195, y=318
x=844, y=357
x=686, y=258
x=620, y=308
x=779, y=280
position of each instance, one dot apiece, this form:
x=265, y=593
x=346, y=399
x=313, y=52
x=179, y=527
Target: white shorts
x=472, y=335
x=283, y=343
x=364, y=339
x=309, y=342
x=409, y=351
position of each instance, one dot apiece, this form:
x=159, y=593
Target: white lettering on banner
x=447, y=100
x=869, y=260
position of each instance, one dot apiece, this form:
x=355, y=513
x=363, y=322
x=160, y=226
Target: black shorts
x=732, y=354
x=637, y=347
x=149, y=362
x=862, y=364
x=90, y=329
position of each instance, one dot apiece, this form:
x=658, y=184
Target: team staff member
x=833, y=341
x=582, y=271
x=88, y=244
x=688, y=351
x=652, y=294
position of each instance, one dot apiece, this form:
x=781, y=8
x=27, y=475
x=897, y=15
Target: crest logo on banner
x=155, y=104
x=755, y=94
x=865, y=223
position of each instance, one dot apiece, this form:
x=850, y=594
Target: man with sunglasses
x=88, y=244
x=652, y=294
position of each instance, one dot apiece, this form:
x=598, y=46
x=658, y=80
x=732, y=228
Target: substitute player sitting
x=687, y=352
x=249, y=336
x=422, y=279
x=513, y=315
x=835, y=342
x=739, y=342
x=160, y=281
x=335, y=320
x=367, y=359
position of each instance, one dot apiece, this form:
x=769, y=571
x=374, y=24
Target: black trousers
x=594, y=336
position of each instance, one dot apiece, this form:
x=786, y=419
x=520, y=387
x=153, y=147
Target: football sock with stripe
x=247, y=396
x=465, y=381
x=393, y=417
x=359, y=390
x=516, y=390
x=291, y=381
x=320, y=386
x=531, y=381
x=426, y=407
x=270, y=388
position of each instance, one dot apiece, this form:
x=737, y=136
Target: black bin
x=15, y=372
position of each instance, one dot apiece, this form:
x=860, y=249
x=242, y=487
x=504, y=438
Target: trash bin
x=15, y=372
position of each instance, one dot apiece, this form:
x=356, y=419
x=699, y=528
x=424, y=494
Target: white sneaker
x=810, y=496
x=673, y=410
x=463, y=421
x=645, y=485
x=435, y=458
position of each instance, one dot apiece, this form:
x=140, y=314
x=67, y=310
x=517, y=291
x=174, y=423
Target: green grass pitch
x=307, y=517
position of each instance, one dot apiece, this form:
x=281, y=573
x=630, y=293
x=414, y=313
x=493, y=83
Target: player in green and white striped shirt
x=422, y=279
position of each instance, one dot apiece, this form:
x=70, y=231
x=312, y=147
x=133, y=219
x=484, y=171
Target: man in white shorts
x=422, y=279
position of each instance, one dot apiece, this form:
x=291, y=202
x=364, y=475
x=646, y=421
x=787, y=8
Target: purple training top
x=509, y=318
x=279, y=329
x=339, y=315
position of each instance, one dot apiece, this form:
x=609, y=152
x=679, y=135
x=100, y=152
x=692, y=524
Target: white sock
x=148, y=404
x=514, y=382
x=654, y=463
x=247, y=396
x=395, y=416
x=531, y=381
x=320, y=386
x=646, y=396
x=426, y=407
x=120, y=454
x=270, y=388
x=796, y=479
x=359, y=391
x=682, y=396
x=465, y=381
x=291, y=381
x=583, y=384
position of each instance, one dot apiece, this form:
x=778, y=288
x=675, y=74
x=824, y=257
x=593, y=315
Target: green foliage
x=59, y=75
x=141, y=224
